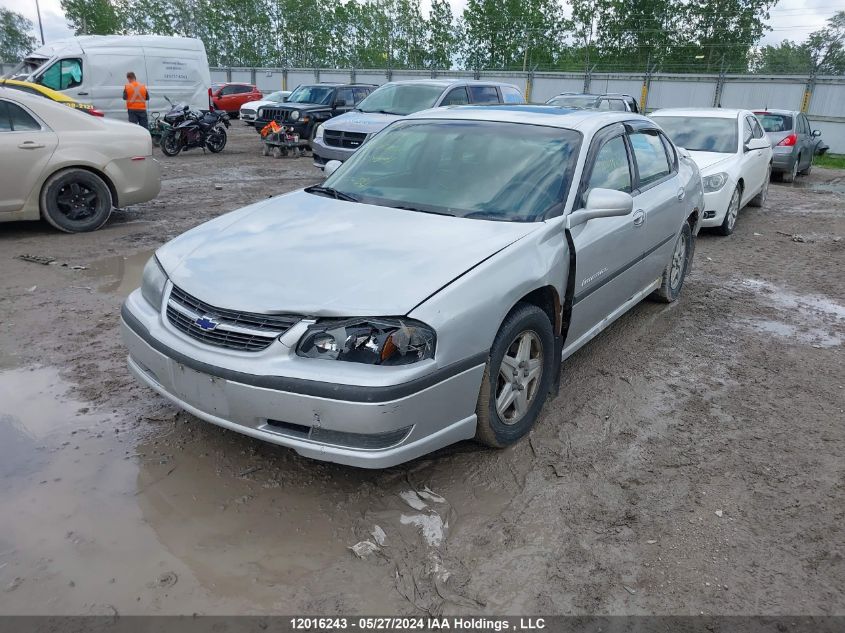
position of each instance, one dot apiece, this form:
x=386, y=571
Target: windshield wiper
x=417, y=209
x=380, y=112
x=329, y=191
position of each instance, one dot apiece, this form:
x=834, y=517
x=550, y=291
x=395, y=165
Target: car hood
x=366, y=122
x=307, y=254
x=254, y=105
x=709, y=162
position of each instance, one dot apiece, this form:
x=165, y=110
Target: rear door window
x=484, y=94
x=456, y=96
x=617, y=104
x=360, y=94
x=20, y=120
x=344, y=97
x=511, y=95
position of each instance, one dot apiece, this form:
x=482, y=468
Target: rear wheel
x=517, y=377
x=809, y=168
x=728, y=224
x=676, y=270
x=171, y=143
x=216, y=140
x=75, y=201
x=792, y=174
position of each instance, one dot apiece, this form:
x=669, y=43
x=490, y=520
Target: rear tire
x=676, y=269
x=807, y=171
x=75, y=201
x=792, y=174
x=516, y=378
x=216, y=140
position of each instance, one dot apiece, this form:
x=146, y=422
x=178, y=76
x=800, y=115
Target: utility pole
x=40, y=26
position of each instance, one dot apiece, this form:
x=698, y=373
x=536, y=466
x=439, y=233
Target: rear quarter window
x=511, y=95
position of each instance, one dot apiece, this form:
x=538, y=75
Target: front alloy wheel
x=520, y=374
x=516, y=378
x=728, y=224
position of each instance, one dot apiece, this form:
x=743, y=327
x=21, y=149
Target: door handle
x=31, y=145
x=681, y=193
x=82, y=94
x=639, y=217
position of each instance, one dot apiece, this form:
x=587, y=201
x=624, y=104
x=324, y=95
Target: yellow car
x=43, y=91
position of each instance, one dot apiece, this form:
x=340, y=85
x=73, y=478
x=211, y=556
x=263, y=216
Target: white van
x=92, y=69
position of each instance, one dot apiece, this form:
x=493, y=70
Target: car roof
x=776, y=111
x=720, y=113
x=586, y=121
x=447, y=82
x=44, y=90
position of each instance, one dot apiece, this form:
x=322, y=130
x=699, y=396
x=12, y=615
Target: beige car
x=67, y=167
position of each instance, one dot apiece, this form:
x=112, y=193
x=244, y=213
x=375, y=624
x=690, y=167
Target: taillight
x=210, y=102
x=789, y=141
x=95, y=112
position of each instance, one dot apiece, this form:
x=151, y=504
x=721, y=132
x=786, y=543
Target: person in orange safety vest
x=136, y=96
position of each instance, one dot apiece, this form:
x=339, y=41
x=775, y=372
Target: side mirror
x=817, y=132
x=684, y=152
x=331, y=167
x=602, y=203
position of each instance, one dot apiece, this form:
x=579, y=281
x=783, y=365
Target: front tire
x=729, y=223
x=171, y=143
x=760, y=199
x=676, y=270
x=76, y=201
x=516, y=378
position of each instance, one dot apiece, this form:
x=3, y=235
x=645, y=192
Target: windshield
x=312, y=94
x=701, y=134
x=401, y=98
x=26, y=68
x=775, y=122
x=473, y=169
x=580, y=101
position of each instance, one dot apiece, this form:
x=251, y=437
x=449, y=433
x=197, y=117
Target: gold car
x=68, y=168
x=44, y=91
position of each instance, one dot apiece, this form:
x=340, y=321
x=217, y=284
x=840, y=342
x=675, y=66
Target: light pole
x=40, y=26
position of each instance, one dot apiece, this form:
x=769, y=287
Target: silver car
x=428, y=291
x=338, y=138
x=793, y=142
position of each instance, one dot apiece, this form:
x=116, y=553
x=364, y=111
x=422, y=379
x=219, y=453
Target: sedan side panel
x=468, y=312
x=26, y=155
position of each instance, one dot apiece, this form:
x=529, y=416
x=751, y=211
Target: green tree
x=827, y=47
x=93, y=17
x=15, y=41
x=442, y=35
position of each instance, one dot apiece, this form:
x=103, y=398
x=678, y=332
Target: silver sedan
x=428, y=291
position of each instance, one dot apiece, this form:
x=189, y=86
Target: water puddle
x=119, y=274
x=814, y=337
x=785, y=299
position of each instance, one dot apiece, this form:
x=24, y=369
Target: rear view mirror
x=602, y=203
x=331, y=167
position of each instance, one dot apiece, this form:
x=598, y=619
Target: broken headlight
x=369, y=341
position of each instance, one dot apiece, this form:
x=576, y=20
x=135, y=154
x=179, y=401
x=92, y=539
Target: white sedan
x=249, y=110
x=734, y=156
x=67, y=167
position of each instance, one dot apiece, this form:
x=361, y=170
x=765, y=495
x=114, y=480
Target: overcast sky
x=791, y=19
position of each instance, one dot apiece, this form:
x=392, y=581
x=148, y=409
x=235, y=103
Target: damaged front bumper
x=370, y=424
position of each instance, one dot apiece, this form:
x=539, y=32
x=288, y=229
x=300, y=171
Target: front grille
x=346, y=140
x=280, y=115
x=232, y=329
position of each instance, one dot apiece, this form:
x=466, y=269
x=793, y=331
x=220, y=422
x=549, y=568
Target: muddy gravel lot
x=694, y=461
